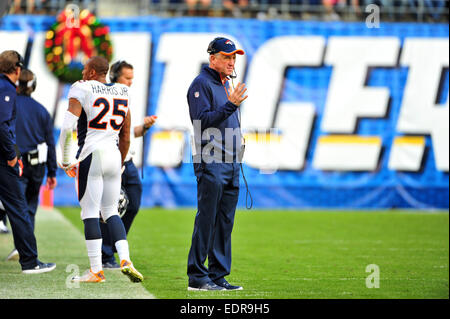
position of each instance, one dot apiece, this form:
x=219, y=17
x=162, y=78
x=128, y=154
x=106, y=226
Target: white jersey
x=105, y=107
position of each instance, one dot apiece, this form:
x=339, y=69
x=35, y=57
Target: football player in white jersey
x=101, y=112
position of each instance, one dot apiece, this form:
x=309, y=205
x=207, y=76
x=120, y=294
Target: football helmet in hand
x=122, y=205
x=123, y=202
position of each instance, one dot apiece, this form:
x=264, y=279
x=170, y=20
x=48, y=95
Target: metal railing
x=348, y=10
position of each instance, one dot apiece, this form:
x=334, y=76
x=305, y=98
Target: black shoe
x=205, y=287
x=111, y=265
x=225, y=284
x=40, y=268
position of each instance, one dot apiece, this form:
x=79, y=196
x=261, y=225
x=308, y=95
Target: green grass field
x=276, y=255
x=59, y=242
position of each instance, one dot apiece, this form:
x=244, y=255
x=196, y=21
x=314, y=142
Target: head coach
x=213, y=108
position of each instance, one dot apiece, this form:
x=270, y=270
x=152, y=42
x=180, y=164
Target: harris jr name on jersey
x=109, y=89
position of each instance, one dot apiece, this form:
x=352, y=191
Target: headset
x=114, y=73
x=211, y=47
x=20, y=61
x=30, y=83
x=231, y=76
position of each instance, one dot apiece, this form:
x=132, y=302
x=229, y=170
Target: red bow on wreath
x=74, y=33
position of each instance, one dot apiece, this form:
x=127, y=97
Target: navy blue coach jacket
x=219, y=136
x=34, y=126
x=8, y=97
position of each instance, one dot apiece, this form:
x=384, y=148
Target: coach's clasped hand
x=236, y=96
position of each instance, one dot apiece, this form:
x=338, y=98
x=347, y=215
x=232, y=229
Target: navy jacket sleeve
x=7, y=142
x=200, y=108
x=50, y=141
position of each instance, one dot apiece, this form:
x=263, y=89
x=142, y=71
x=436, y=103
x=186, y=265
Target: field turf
x=59, y=242
x=276, y=255
x=301, y=254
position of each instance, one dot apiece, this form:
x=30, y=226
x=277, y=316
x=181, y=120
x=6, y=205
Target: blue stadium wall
x=307, y=187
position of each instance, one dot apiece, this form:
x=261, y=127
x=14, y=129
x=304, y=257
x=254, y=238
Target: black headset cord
x=248, y=190
x=248, y=194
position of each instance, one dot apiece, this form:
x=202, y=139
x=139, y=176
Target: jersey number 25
x=97, y=123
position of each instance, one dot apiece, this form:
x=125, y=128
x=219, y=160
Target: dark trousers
x=13, y=200
x=133, y=188
x=31, y=181
x=217, y=197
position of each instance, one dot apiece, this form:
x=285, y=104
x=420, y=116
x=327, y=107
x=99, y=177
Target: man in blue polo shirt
x=11, y=193
x=217, y=150
x=34, y=132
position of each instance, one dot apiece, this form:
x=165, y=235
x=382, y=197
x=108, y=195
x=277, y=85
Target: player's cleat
x=90, y=276
x=131, y=272
x=13, y=255
x=209, y=286
x=40, y=268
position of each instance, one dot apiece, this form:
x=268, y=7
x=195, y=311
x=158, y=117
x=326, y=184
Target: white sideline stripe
x=54, y=214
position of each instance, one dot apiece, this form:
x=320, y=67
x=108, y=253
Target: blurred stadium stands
x=346, y=10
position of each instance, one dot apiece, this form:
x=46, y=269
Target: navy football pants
x=31, y=180
x=217, y=198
